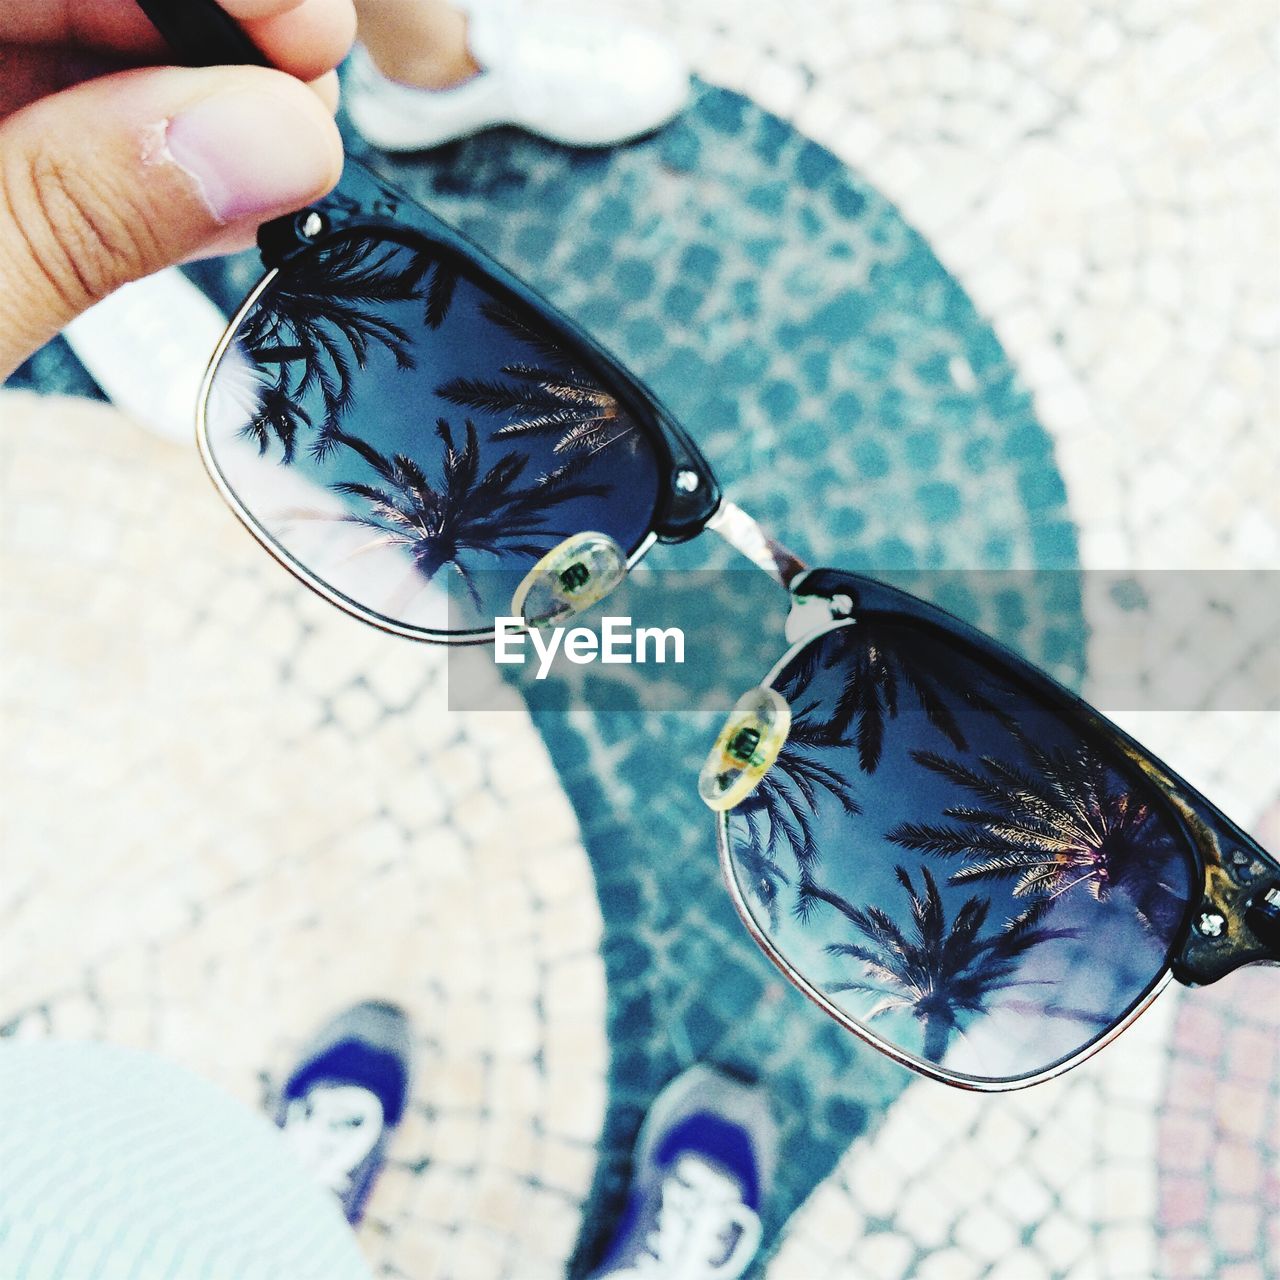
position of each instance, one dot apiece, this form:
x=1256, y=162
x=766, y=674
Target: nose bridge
x=747, y=538
x=571, y=577
x=746, y=748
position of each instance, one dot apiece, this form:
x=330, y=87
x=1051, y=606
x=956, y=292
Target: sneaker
x=346, y=1096
x=702, y=1164
x=584, y=81
x=147, y=346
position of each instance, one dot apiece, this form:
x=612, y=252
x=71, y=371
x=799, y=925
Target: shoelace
x=332, y=1131
x=703, y=1232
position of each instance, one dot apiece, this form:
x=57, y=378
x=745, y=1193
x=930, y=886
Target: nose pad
x=571, y=577
x=748, y=745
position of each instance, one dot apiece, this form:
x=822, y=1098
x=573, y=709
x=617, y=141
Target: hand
x=108, y=174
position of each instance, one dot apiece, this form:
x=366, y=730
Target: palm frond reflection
x=472, y=512
x=877, y=666
x=935, y=970
x=779, y=816
x=1064, y=822
x=314, y=327
x=552, y=398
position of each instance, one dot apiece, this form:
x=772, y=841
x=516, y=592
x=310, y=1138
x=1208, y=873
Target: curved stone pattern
x=1055, y=1181
x=1219, y=1135
x=232, y=811
x=1157, y=1159
x=837, y=377
x=1103, y=185
x=848, y=395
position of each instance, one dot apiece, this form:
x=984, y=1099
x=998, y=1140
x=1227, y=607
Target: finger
x=308, y=40
x=119, y=177
x=326, y=88
x=303, y=37
x=27, y=74
x=102, y=24
x=249, y=10
x=32, y=74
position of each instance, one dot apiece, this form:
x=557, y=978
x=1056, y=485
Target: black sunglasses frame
x=365, y=203
x=1237, y=918
x=365, y=206
x=1234, y=924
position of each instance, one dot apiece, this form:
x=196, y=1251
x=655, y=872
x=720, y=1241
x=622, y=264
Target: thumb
x=119, y=177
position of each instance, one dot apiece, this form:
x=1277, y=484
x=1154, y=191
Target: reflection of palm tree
x=320, y=319
x=938, y=971
x=441, y=279
x=484, y=513
x=781, y=810
x=547, y=398
x=876, y=661
x=1067, y=820
x=762, y=876
x=528, y=330
x=278, y=414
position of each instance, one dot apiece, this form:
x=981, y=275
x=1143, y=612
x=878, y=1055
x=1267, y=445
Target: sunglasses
x=951, y=854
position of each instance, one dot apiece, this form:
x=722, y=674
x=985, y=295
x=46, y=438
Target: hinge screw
x=310, y=225
x=687, y=481
x=1212, y=924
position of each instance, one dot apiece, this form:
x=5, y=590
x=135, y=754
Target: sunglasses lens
x=972, y=875
x=412, y=438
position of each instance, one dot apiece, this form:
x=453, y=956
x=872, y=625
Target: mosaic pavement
x=1038, y=159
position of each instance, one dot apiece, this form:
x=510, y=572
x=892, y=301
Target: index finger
x=303, y=37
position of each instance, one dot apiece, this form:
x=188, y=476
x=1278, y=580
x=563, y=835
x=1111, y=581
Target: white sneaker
x=147, y=346
x=703, y=1230
x=584, y=80
x=702, y=1167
